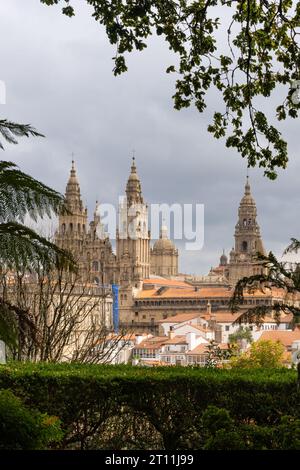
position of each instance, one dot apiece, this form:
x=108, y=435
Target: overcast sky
x=58, y=75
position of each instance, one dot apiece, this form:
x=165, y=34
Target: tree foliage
x=263, y=353
x=25, y=429
x=281, y=275
x=242, y=333
x=245, y=58
x=21, y=248
x=10, y=131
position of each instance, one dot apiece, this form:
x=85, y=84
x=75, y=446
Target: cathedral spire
x=247, y=187
x=72, y=195
x=248, y=241
x=133, y=187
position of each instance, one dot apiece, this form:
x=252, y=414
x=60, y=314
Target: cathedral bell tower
x=133, y=236
x=72, y=226
x=248, y=241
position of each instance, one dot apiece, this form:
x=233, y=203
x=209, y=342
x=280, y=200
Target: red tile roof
x=285, y=337
x=180, y=317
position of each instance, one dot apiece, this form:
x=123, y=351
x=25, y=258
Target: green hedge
x=121, y=406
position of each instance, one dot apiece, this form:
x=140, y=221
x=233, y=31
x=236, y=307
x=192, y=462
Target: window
x=136, y=314
x=244, y=246
x=144, y=317
x=227, y=327
x=95, y=266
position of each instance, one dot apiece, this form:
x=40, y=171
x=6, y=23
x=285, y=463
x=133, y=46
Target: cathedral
x=135, y=262
x=134, y=259
x=248, y=242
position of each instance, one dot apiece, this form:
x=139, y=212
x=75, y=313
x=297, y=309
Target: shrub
x=167, y=401
x=25, y=429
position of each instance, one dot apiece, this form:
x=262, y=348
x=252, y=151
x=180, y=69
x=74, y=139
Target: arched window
x=71, y=227
x=244, y=246
x=95, y=266
x=83, y=228
x=96, y=281
x=249, y=221
x=245, y=223
x=78, y=228
x=63, y=228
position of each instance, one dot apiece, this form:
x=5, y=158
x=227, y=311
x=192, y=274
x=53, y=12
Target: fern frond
x=21, y=194
x=10, y=130
x=21, y=249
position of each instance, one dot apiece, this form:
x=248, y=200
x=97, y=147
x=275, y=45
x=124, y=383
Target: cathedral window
x=71, y=227
x=245, y=222
x=78, y=228
x=95, y=266
x=244, y=246
x=63, y=227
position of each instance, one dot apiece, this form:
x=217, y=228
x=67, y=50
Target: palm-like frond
x=21, y=194
x=293, y=247
x=21, y=248
x=10, y=130
x=15, y=324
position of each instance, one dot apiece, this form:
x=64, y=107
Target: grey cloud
x=58, y=73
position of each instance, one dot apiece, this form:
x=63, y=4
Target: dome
x=164, y=244
x=223, y=260
x=247, y=199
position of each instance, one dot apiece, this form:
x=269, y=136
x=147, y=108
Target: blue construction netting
x=115, y=291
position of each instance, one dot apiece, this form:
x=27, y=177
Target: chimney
x=171, y=333
x=139, y=339
x=191, y=339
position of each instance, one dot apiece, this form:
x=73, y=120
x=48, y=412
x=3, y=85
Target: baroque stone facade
x=164, y=256
x=133, y=259
x=248, y=241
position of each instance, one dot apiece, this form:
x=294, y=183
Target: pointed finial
x=73, y=162
x=73, y=170
x=247, y=185
x=133, y=167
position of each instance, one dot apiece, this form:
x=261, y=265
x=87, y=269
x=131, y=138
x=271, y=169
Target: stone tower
x=72, y=226
x=247, y=241
x=133, y=236
x=164, y=255
x=100, y=258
